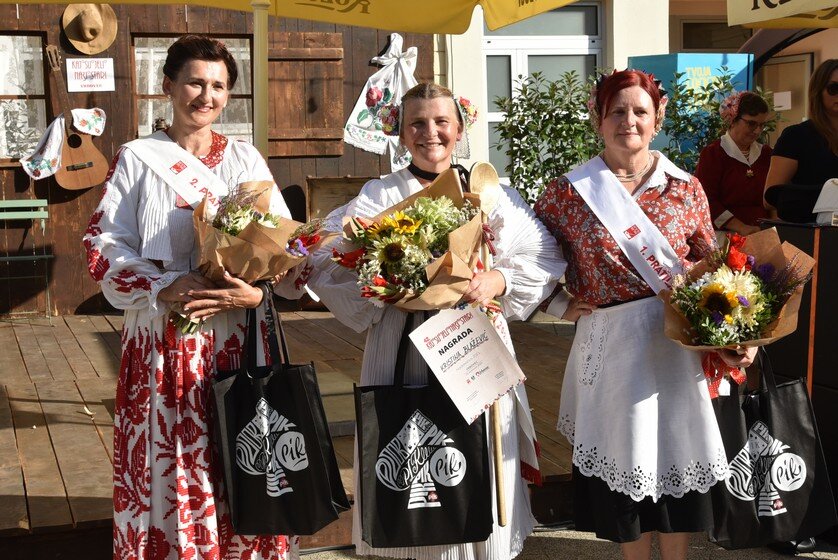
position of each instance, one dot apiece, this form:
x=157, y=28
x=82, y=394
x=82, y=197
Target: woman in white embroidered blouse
x=168, y=497
x=526, y=267
x=646, y=465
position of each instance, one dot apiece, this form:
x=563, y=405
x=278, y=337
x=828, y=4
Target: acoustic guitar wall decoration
x=82, y=164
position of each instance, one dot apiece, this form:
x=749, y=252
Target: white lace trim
x=636, y=483
x=593, y=350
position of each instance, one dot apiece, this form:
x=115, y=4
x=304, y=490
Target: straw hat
x=91, y=28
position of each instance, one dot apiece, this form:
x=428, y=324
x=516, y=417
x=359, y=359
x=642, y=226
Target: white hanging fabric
x=45, y=160
x=386, y=86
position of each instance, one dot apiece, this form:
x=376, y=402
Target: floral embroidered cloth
x=46, y=159
x=363, y=129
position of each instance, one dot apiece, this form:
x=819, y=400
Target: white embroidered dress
x=168, y=499
x=532, y=264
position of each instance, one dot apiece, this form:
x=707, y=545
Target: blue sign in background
x=698, y=69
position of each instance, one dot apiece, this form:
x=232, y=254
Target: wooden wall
x=329, y=88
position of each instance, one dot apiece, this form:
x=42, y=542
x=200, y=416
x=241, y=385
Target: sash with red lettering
x=637, y=236
x=182, y=171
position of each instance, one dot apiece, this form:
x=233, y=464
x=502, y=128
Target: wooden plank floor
x=57, y=391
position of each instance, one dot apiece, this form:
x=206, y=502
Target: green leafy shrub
x=545, y=131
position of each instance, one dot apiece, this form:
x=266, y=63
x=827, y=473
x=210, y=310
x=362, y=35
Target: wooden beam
x=305, y=134
x=302, y=53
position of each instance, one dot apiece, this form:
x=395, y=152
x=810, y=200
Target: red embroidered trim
x=216, y=153
x=530, y=473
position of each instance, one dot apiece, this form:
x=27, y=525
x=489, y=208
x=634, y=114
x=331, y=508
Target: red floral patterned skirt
x=169, y=500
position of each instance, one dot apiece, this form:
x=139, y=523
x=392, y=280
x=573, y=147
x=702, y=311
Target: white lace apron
x=635, y=406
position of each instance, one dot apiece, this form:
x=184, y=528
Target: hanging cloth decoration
x=46, y=159
x=363, y=129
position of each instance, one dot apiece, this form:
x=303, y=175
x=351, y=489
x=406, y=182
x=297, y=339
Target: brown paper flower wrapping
x=448, y=275
x=257, y=253
x=765, y=246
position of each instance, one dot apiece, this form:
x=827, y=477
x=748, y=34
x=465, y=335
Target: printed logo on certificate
x=469, y=359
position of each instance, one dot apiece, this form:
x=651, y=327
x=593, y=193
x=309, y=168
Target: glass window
x=713, y=36
x=554, y=65
x=497, y=158
x=236, y=121
x=23, y=117
x=570, y=20
x=498, y=78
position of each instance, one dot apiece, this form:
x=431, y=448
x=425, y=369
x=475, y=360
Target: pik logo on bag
x=763, y=468
x=267, y=446
x=419, y=455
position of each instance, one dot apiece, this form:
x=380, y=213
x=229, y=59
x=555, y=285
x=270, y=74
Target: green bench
x=31, y=210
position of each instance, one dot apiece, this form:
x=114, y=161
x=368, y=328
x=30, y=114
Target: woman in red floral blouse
x=635, y=406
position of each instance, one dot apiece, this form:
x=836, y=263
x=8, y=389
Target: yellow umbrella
x=425, y=16
x=776, y=14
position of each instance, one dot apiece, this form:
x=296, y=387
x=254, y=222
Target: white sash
x=639, y=239
x=182, y=171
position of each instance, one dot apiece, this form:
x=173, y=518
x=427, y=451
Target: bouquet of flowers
x=420, y=253
x=242, y=237
x=746, y=294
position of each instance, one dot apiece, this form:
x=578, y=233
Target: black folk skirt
x=616, y=517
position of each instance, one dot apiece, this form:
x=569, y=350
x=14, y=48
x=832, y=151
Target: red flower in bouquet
x=736, y=240
x=350, y=259
x=736, y=259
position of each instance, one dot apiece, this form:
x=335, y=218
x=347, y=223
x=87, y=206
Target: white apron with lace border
x=635, y=406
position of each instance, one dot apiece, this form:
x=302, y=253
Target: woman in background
x=806, y=154
x=733, y=169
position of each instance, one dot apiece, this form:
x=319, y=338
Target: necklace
x=629, y=177
x=421, y=173
x=746, y=154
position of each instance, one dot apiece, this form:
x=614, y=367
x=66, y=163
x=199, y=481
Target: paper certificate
x=468, y=357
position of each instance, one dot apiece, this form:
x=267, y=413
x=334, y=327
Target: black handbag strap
x=275, y=331
x=404, y=345
x=276, y=335
x=766, y=378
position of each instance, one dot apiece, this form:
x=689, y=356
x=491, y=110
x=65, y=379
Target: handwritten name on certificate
x=469, y=358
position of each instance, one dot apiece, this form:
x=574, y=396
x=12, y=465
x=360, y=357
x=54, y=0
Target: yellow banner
x=746, y=12
x=817, y=20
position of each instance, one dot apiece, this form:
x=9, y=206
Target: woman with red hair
x=635, y=405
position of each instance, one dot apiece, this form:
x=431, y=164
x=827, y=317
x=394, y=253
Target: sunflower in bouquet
x=745, y=294
x=417, y=255
x=392, y=253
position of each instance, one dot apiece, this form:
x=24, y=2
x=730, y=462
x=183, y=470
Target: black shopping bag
x=424, y=471
x=778, y=489
x=279, y=466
